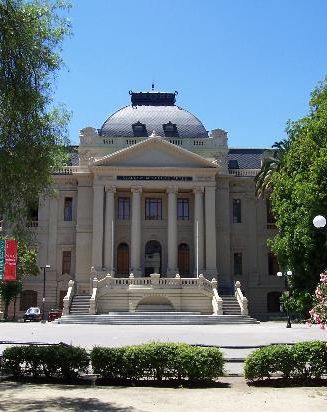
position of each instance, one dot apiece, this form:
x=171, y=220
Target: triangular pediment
x=154, y=152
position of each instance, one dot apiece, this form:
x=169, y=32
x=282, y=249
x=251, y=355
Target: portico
x=166, y=205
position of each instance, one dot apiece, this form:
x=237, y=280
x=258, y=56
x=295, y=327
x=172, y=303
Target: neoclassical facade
x=152, y=192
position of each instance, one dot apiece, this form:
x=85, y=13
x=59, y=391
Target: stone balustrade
x=155, y=280
x=243, y=172
x=69, y=170
x=242, y=300
x=68, y=298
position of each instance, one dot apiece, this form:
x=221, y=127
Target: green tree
x=272, y=163
x=26, y=266
x=300, y=193
x=32, y=130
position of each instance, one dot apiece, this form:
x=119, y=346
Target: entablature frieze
x=153, y=171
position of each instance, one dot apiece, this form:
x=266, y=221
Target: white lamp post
x=319, y=222
x=43, y=299
x=287, y=275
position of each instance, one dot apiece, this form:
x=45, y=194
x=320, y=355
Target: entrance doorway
x=123, y=259
x=152, y=258
x=184, y=259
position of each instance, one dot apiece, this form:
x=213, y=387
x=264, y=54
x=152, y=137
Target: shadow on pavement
x=62, y=403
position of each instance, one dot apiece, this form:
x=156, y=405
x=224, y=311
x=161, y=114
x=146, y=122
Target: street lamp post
x=287, y=275
x=43, y=298
x=319, y=222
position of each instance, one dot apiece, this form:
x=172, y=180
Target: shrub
x=158, y=361
x=310, y=360
x=56, y=361
x=263, y=362
x=304, y=360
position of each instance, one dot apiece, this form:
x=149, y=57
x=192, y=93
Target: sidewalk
x=232, y=394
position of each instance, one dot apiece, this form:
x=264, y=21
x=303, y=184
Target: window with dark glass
x=238, y=264
x=153, y=209
x=233, y=164
x=237, y=211
x=170, y=130
x=139, y=130
x=270, y=216
x=68, y=209
x=28, y=299
x=273, y=266
x=183, y=209
x=66, y=261
x=123, y=208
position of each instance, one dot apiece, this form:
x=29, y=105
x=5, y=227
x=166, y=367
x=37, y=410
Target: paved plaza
x=231, y=393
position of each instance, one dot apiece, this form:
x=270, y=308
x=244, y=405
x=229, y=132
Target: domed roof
x=153, y=111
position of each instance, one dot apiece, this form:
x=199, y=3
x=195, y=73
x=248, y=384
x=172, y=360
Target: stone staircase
x=80, y=305
x=230, y=305
x=156, y=318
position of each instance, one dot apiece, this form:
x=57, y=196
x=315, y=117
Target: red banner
x=10, y=260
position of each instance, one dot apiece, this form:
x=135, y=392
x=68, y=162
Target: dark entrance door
x=152, y=258
x=184, y=259
x=123, y=259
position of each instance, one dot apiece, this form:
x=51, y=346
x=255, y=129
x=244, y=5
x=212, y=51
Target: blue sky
x=246, y=66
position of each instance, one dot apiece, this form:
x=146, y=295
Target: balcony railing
x=69, y=170
x=243, y=172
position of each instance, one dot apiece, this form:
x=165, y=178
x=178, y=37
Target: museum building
x=155, y=213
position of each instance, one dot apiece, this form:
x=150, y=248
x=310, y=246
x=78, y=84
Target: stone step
x=156, y=319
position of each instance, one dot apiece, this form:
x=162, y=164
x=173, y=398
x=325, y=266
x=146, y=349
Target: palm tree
x=271, y=164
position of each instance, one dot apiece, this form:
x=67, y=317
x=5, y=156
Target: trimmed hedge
x=304, y=361
x=53, y=361
x=158, y=361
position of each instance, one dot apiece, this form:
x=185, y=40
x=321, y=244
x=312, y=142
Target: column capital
x=210, y=188
x=136, y=189
x=111, y=189
x=172, y=189
x=198, y=189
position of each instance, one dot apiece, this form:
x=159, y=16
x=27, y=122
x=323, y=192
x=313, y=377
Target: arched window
x=184, y=259
x=273, y=301
x=28, y=299
x=123, y=259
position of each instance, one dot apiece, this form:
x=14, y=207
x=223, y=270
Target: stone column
x=109, y=251
x=97, y=241
x=172, y=230
x=136, y=231
x=198, y=234
x=210, y=224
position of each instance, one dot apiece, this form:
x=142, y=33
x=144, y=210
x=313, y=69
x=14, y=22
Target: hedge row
x=158, y=361
x=304, y=360
x=53, y=361
x=153, y=361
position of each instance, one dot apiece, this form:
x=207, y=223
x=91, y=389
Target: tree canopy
x=300, y=193
x=32, y=130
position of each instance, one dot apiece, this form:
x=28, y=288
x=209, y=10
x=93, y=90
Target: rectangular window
x=68, y=209
x=273, y=266
x=183, y=209
x=271, y=222
x=123, y=208
x=238, y=265
x=237, y=213
x=66, y=261
x=153, y=209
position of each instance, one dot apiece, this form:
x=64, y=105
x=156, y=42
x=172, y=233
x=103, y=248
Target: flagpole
x=197, y=248
x=112, y=247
